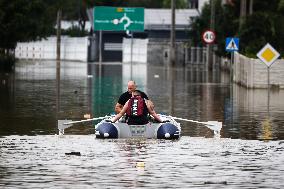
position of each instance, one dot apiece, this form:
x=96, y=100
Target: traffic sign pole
x=208, y=37
x=231, y=67
x=131, y=56
x=232, y=44
x=268, y=55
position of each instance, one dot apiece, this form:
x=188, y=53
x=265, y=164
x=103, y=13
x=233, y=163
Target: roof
x=161, y=18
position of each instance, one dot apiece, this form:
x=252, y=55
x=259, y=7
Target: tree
x=199, y=25
x=23, y=20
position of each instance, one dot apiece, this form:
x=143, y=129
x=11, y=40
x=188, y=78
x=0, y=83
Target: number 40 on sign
x=208, y=36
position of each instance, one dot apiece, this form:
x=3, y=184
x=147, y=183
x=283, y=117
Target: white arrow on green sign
x=118, y=18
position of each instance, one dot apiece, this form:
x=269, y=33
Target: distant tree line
x=264, y=24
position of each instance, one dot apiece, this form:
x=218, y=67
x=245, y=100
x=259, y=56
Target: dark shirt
x=126, y=96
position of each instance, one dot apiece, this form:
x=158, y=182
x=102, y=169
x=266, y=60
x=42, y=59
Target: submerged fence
x=196, y=56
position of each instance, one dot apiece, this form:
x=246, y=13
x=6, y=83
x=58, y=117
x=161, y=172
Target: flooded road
x=249, y=153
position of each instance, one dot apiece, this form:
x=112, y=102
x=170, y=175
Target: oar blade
x=214, y=125
x=61, y=125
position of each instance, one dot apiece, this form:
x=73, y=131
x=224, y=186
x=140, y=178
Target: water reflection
x=263, y=111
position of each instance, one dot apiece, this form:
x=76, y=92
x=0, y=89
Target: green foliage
x=180, y=4
x=281, y=7
x=75, y=31
x=23, y=20
x=258, y=29
x=136, y=3
x=6, y=62
x=199, y=25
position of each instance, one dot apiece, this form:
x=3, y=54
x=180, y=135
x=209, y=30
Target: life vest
x=136, y=106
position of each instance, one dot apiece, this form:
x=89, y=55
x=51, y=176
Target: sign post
x=268, y=55
x=209, y=37
x=232, y=44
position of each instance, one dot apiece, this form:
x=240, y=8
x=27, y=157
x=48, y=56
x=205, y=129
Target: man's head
x=131, y=86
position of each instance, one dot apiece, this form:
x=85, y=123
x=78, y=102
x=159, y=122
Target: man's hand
x=166, y=121
x=108, y=120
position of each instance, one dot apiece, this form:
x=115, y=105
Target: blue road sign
x=232, y=44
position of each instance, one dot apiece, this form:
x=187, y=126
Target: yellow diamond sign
x=268, y=55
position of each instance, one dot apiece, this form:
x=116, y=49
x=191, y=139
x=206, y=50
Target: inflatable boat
x=168, y=129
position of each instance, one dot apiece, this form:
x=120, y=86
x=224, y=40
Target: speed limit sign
x=208, y=36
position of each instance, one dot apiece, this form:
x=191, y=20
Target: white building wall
x=75, y=48
x=139, y=52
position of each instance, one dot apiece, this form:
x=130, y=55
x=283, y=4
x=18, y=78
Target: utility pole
x=173, y=34
x=212, y=17
x=212, y=27
x=243, y=12
x=58, y=33
x=250, y=7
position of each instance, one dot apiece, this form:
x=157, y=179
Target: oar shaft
x=182, y=119
x=201, y=122
x=86, y=120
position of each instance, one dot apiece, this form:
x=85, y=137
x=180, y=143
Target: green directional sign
x=118, y=18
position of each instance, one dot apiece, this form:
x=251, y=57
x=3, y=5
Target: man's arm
x=150, y=104
x=153, y=113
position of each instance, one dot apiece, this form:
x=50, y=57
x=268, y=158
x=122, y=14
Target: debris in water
x=156, y=76
x=73, y=154
x=217, y=182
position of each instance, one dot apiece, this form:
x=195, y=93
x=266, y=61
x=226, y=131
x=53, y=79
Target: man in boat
x=131, y=87
x=137, y=110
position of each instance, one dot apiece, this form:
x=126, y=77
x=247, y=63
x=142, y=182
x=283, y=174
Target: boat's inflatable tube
x=168, y=131
x=106, y=130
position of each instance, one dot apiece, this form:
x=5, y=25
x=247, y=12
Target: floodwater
x=248, y=154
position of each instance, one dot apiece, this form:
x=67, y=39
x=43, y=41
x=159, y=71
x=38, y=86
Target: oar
x=86, y=120
x=64, y=124
x=213, y=125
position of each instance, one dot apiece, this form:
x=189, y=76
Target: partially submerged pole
x=173, y=34
x=58, y=61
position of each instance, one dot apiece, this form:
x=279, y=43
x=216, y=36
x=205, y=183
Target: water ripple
x=41, y=162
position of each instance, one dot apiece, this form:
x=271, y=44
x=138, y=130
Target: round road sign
x=208, y=36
